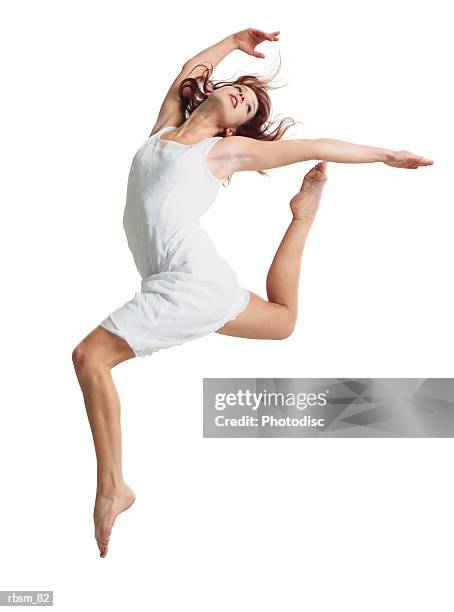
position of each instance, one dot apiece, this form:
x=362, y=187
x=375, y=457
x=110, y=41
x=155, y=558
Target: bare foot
x=304, y=204
x=107, y=508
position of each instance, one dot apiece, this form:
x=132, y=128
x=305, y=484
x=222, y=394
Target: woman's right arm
x=250, y=154
x=245, y=40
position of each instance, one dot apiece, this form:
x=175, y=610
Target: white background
x=244, y=525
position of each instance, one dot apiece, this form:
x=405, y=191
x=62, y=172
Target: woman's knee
x=286, y=324
x=101, y=349
x=285, y=331
x=262, y=319
x=84, y=357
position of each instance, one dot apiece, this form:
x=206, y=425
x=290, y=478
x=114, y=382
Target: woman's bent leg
x=276, y=318
x=93, y=359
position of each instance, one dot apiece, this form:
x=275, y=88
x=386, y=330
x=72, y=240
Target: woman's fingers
x=264, y=36
x=410, y=162
x=416, y=164
x=421, y=161
x=415, y=160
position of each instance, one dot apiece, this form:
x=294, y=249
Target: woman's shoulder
x=160, y=127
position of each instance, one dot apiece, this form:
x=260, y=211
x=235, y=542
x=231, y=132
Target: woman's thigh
x=102, y=347
x=261, y=320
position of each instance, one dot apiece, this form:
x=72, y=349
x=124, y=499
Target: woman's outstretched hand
x=248, y=39
x=405, y=159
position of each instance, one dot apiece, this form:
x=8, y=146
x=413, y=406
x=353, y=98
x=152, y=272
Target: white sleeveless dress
x=188, y=290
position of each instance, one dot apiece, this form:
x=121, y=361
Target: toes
x=320, y=167
x=318, y=172
x=105, y=536
x=103, y=540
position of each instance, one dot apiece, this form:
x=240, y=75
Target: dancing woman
x=203, y=134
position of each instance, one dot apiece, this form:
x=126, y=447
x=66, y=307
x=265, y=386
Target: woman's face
x=233, y=104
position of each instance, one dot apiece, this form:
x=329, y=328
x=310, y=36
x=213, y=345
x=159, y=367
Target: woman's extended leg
x=276, y=318
x=93, y=359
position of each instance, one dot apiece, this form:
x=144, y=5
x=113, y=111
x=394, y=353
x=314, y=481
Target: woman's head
x=234, y=105
x=241, y=107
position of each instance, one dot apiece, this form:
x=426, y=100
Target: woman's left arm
x=243, y=153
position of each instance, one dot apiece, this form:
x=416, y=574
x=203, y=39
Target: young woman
x=203, y=134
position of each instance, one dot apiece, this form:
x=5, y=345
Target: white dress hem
x=139, y=346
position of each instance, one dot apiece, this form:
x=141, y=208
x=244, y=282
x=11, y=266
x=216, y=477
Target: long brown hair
x=192, y=92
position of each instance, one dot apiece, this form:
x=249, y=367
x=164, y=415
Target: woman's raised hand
x=248, y=39
x=405, y=159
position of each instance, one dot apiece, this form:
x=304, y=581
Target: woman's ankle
x=110, y=488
